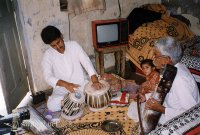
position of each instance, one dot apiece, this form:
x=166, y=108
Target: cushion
x=188, y=123
x=139, y=16
x=191, y=62
x=191, y=59
x=190, y=42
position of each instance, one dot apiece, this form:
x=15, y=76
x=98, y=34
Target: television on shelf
x=109, y=33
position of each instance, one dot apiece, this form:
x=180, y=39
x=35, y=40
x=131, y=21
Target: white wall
x=36, y=14
x=195, y=25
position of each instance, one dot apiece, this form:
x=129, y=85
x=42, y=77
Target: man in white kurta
x=183, y=94
x=63, y=65
x=68, y=67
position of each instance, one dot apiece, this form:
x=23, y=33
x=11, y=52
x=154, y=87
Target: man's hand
x=69, y=86
x=153, y=104
x=95, y=82
x=97, y=85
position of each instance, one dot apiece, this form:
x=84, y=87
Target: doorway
x=14, y=79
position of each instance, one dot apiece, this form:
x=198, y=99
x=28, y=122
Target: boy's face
x=147, y=69
x=58, y=45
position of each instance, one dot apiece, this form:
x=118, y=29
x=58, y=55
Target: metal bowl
x=111, y=126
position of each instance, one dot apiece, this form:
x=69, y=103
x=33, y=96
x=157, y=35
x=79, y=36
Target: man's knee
x=54, y=103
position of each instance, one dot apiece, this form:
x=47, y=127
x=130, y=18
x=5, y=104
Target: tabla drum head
x=92, y=91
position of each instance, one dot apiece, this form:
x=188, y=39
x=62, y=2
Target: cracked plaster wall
x=36, y=14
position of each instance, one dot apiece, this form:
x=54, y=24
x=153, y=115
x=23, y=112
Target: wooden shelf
x=120, y=58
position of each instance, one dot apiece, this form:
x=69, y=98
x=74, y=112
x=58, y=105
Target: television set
x=109, y=33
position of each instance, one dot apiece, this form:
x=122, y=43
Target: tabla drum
x=97, y=99
x=73, y=105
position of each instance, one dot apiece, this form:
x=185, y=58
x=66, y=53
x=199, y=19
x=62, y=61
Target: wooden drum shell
x=98, y=99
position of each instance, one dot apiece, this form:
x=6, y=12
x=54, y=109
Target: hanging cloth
x=81, y=6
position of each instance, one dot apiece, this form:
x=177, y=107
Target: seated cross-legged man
x=183, y=93
x=63, y=65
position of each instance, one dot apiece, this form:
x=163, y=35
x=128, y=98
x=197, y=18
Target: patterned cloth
x=93, y=121
x=182, y=124
x=119, y=84
x=150, y=85
x=81, y=6
x=141, y=41
x=191, y=57
x=191, y=62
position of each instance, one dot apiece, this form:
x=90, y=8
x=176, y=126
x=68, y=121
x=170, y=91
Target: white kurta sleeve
x=85, y=60
x=185, y=96
x=48, y=71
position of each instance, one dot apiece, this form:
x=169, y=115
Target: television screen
x=107, y=33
